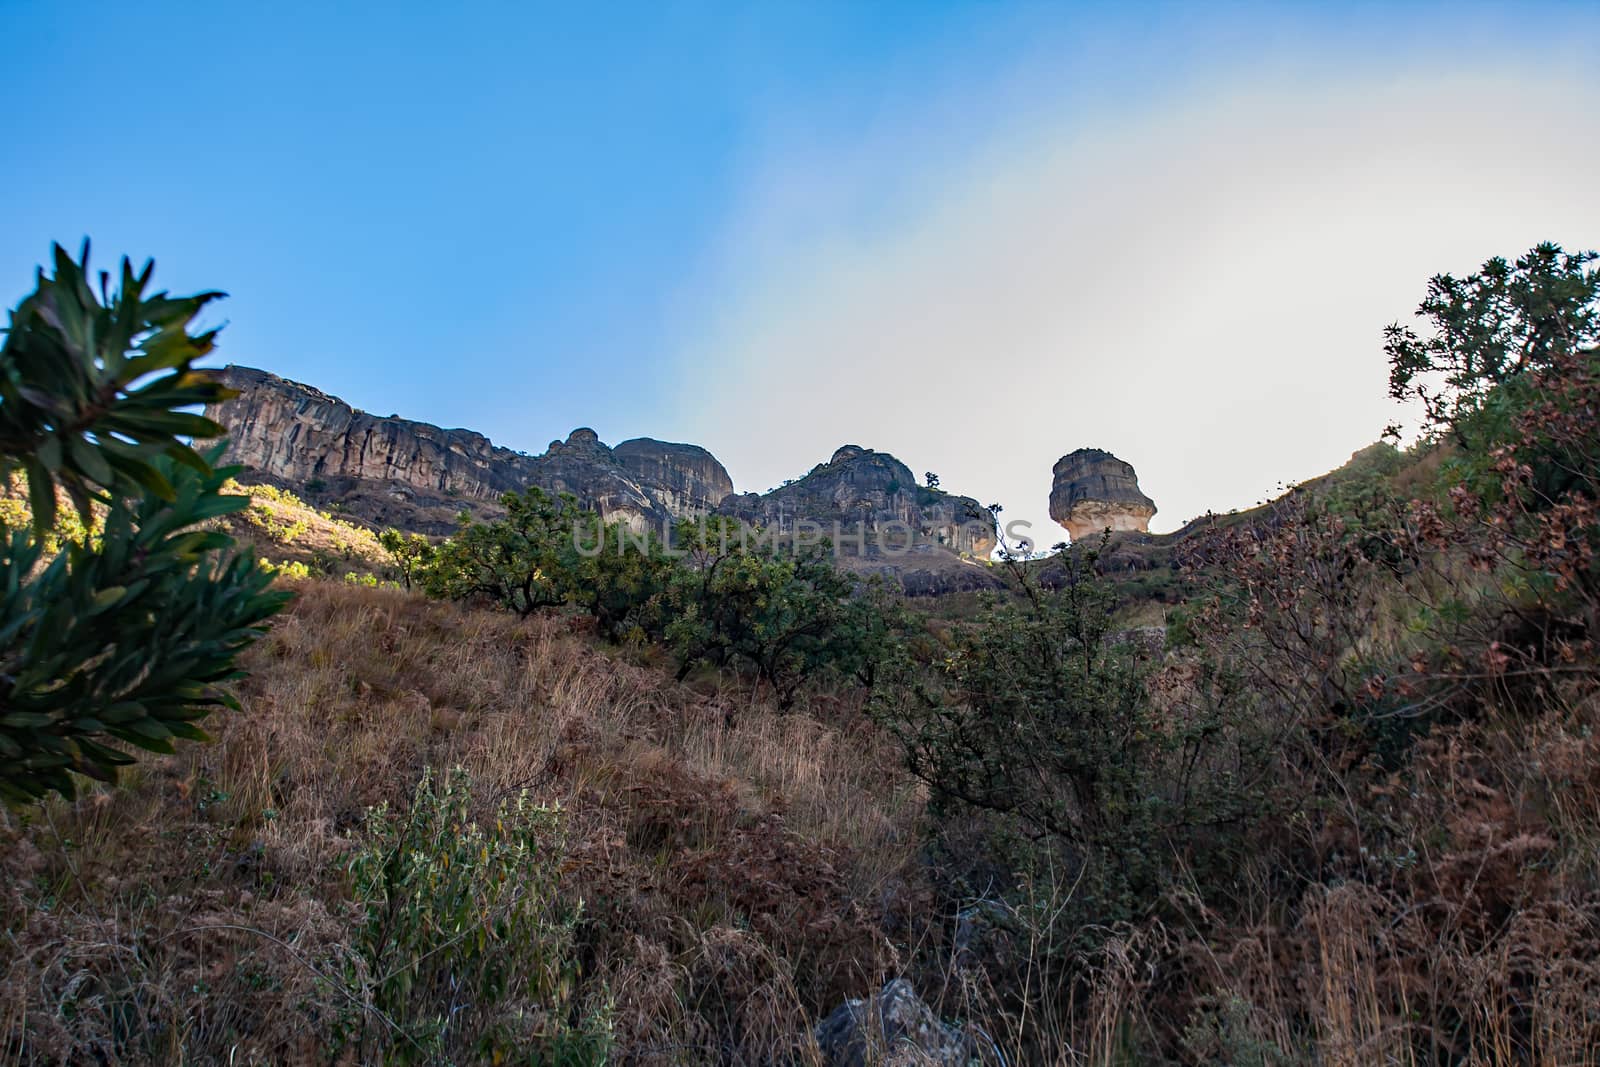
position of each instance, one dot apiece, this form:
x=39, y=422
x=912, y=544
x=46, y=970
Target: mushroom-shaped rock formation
x=1095, y=491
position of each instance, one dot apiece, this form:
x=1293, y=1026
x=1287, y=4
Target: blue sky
x=977, y=235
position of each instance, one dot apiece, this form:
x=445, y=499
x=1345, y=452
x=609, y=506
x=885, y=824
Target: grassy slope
x=721, y=848
x=284, y=529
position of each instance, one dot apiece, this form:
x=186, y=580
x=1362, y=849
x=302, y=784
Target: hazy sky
x=975, y=235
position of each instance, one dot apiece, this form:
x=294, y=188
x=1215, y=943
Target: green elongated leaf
x=107, y=598
x=22, y=719
x=214, y=506
x=110, y=757
x=152, y=480
x=159, y=421
x=50, y=453
x=188, y=731
x=43, y=399
x=41, y=495
x=91, y=462
x=151, y=728
x=149, y=744
x=189, y=458
x=124, y=712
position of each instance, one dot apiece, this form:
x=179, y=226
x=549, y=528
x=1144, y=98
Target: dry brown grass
x=721, y=847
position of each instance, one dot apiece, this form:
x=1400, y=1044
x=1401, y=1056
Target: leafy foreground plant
x=130, y=635
x=466, y=952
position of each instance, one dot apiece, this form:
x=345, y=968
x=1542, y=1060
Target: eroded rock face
x=871, y=492
x=300, y=434
x=687, y=476
x=1094, y=491
x=380, y=467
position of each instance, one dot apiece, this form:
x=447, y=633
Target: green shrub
x=1040, y=720
x=622, y=583
x=293, y=569
x=466, y=950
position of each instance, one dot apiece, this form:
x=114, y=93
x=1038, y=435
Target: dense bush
x=1043, y=716
x=622, y=580
x=787, y=615
x=713, y=595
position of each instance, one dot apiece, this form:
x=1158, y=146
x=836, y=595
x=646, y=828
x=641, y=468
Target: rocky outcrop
x=873, y=496
x=689, y=479
x=1095, y=491
x=413, y=475
x=894, y=1027
x=585, y=467
x=381, y=468
x=301, y=434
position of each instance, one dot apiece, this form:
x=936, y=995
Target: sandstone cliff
x=394, y=470
x=1094, y=491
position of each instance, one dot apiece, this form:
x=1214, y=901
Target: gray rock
x=687, y=476
x=893, y=1028
x=416, y=476
x=874, y=493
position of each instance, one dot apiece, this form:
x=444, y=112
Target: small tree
x=1491, y=326
x=523, y=562
x=621, y=580
x=788, y=615
x=412, y=554
x=130, y=636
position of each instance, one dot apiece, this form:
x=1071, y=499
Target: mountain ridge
x=414, y=475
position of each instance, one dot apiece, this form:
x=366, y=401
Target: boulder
x=688, y=479
x=893, y=1028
